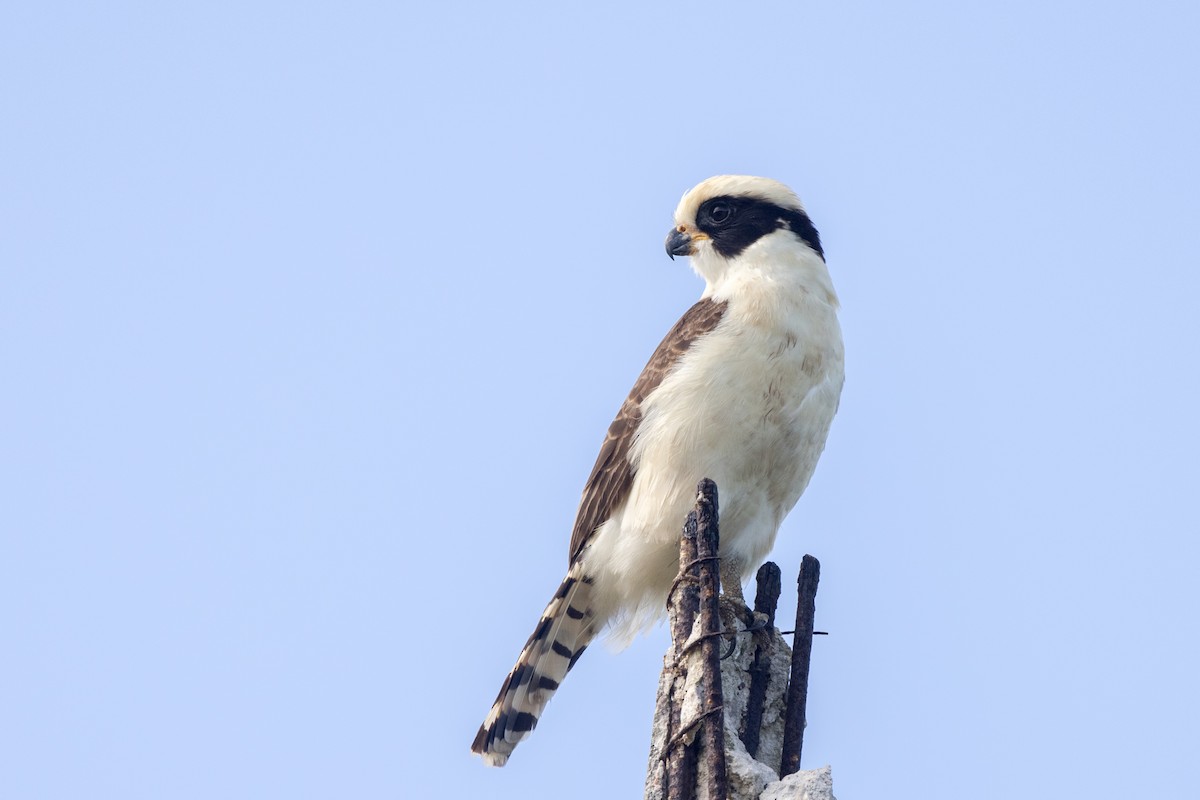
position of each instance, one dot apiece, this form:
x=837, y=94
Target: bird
x=743, y=389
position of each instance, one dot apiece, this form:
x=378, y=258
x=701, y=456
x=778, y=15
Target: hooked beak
x=679, y=242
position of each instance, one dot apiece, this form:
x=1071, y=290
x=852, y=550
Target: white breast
x=749, y=405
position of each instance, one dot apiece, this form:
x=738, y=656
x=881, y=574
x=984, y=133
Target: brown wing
x=613, y=474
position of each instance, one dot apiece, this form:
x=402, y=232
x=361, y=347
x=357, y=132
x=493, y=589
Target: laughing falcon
x=742, y=390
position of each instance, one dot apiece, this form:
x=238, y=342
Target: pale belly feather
x=750, y=407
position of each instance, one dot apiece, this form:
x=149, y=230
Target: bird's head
x=731, y=218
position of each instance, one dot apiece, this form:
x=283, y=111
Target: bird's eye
x=720, y=213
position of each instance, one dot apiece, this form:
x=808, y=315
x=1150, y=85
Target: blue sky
x=313, y=318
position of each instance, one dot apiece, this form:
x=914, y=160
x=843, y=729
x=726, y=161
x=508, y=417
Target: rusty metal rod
x=766, y=600
x=797, y=695
x=707, y=547
x=683, y=603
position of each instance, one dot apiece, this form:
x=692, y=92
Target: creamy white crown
x=737, y=186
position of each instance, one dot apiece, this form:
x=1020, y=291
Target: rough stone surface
x=656, y=770
x=747, y=777
x=690, y=690
x=807, y=784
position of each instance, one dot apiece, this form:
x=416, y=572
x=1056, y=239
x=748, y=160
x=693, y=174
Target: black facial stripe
x=751, y=220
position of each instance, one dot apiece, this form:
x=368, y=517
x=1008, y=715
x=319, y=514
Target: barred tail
x=566, y=628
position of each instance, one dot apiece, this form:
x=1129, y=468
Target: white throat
x=777, y=262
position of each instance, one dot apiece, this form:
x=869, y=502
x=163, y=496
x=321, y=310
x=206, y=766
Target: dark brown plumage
x=568, y=624
x=613, y=474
